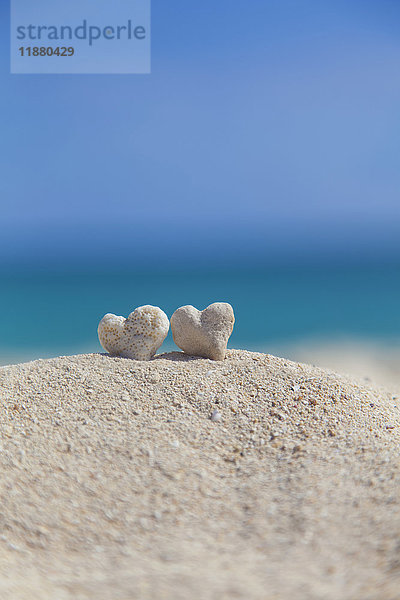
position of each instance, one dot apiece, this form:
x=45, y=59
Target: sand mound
x=182, y=478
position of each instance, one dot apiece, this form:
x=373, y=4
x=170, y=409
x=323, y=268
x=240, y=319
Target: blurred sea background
x=258, y=164
x=342, y=317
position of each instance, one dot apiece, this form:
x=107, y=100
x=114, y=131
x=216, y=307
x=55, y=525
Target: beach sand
x=379, y=363
x=253, y=478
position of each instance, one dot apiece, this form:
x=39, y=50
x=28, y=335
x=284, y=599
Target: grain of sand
x=253, y=478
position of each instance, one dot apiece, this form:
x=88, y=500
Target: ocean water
x=55, y=311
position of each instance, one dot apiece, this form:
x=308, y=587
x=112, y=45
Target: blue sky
x=267, y=128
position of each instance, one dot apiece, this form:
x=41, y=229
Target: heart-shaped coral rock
x=139, y=336
x=203, y=333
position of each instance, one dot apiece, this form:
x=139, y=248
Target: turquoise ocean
x=55, y=311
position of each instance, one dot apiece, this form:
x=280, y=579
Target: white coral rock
x=203, y=333
x=139, y=336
